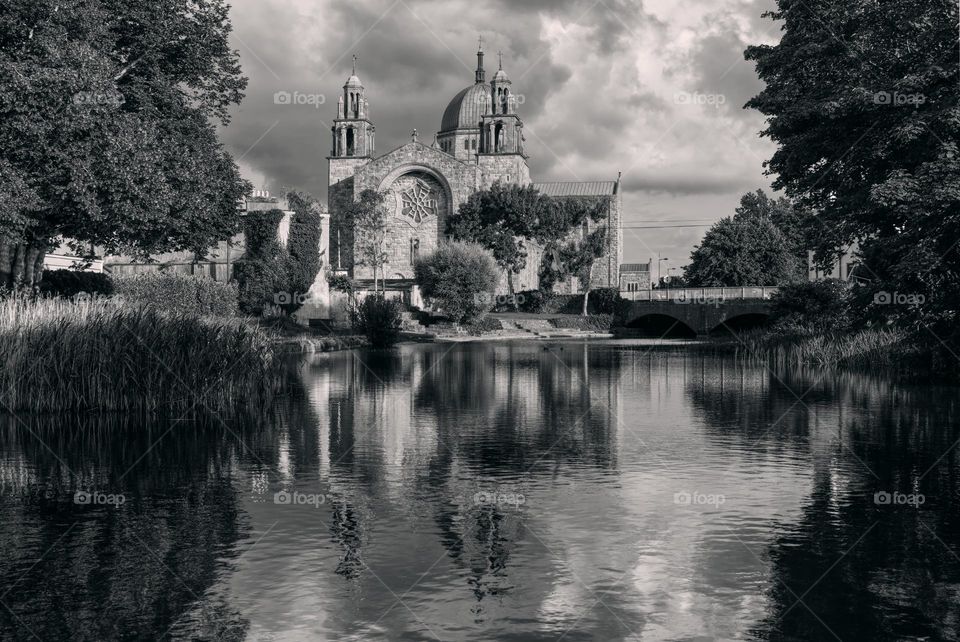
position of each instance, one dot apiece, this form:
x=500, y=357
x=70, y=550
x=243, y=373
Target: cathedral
x=480, y=141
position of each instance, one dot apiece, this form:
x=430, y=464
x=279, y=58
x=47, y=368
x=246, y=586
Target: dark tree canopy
x=106, y=132
x=863, y=101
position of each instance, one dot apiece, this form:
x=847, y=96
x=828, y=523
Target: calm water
x=497, y=491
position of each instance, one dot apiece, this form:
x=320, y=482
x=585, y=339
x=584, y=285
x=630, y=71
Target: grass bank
x=98, y=354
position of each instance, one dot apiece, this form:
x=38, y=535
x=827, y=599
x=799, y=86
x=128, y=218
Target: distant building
x=845, y=267
x=480, y=141
x=636, y=276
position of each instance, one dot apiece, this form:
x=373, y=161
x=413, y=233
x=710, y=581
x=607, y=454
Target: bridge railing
x=701, y=295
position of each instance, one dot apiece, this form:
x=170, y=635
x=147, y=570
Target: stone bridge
x=698, y=311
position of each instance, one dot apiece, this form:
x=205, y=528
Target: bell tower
x=501, y=134
x=352, y=147
x=353, y=133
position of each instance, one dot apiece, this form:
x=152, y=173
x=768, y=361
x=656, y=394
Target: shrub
x=459, y=278
x=104, y=355
x=379, y=319
x=340, y=282
x=812, y=306
x=68, y=283
x=604, y=300
x=179, y=293
x=598, y=323
x=532, y=301
x=483, y=325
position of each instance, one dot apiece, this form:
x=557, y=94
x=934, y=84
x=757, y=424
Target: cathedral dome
x=466, y=108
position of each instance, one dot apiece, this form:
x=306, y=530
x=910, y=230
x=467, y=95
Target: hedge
x=179, y=293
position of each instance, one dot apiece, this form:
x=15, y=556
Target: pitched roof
x=587, y=188
x=634, y=267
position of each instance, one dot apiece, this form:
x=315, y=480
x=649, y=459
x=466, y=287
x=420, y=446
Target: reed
x=884, y=348
x=98, y=354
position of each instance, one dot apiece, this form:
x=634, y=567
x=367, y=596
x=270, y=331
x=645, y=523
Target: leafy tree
x=366, y=223
x=504, y=219
x=821, y=306
x=743, y=251
x=274, y=274
x=577, y=257
x=460, y=277
x=862, y=101
x=793, y=222
x=262, y=273
x=303, y=241
x=105, y=128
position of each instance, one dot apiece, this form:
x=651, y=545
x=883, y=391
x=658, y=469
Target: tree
x=793, y=222
x=503, y=219
x=460, y=277
x=743, y=251
x=272, y=273
x=262, y=273
x=862, y=101
x=303, y=241
x=577, y=257
x=105, y=128
x=366, y=222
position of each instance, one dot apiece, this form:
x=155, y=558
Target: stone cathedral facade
x=480, y=141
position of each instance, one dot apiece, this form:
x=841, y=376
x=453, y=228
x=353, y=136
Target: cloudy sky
x=654, y=89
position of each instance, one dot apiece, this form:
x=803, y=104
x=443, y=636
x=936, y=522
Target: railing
x=700, y=295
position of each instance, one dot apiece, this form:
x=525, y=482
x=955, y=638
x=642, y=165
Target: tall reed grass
x=98, y=354
x=885, y=348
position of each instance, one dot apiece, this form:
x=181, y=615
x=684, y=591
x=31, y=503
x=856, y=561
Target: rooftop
x=572, y=188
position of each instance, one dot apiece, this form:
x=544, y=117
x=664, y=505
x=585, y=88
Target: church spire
x=481, y=74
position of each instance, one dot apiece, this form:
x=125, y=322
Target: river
x=496, y=491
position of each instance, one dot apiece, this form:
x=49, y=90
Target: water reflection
x=497, y=491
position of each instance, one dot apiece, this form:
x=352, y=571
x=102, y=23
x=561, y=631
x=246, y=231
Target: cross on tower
x=500, y=56
x=354, y=64
x=480, y=41
x=413, y=135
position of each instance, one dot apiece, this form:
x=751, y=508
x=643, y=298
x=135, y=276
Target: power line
x=660, y=227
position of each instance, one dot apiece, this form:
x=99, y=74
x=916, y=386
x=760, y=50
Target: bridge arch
x=661, y=325
x=737, y=323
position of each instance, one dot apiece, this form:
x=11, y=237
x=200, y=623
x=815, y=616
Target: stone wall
x=506, y=168
x=449, y=182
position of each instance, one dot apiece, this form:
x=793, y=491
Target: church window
x=350, y=141
x=414, y=250
x=473, y=143
x=466, y=144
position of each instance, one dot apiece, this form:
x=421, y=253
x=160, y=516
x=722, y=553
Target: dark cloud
x=597, y=79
